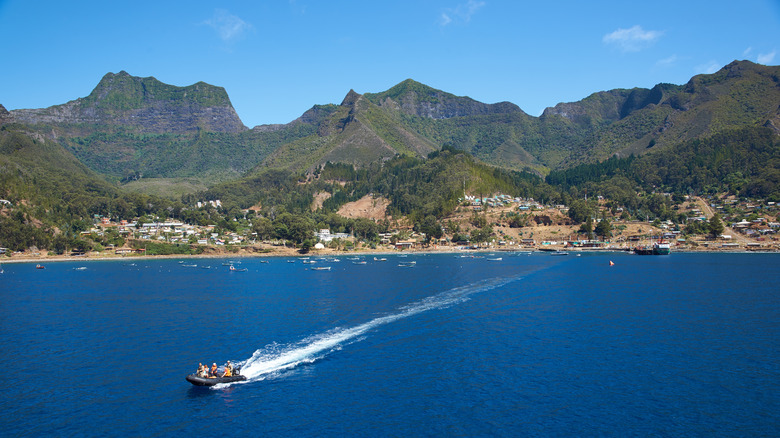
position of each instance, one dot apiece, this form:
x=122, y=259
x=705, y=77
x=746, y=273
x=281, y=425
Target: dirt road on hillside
x=709, y=213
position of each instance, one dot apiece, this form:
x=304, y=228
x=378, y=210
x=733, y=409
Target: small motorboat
x=40, y=267
x=234, y=269
x=211, y=381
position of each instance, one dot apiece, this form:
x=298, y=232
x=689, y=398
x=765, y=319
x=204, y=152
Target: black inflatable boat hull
x=204, y=381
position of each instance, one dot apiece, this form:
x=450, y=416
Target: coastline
x=290, y=252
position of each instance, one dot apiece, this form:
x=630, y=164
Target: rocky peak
x=146, y=104
x=421, y=100
x=351, y=98
x=5, y=116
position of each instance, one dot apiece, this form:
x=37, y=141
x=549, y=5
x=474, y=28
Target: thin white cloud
x=301, y=9
x=228, y=26
x=632, y=39
x=766, y=58
x=666, y=62
x=708, y=67
x=461, y=13
x=747, y=51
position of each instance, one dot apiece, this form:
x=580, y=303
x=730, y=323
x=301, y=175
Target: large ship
x=658, y=248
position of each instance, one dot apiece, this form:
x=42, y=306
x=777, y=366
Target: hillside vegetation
x=743, y=161
x=53, y=197
x=130, y=128
x=138, y=148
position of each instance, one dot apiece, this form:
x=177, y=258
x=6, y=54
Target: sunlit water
x=530, y=345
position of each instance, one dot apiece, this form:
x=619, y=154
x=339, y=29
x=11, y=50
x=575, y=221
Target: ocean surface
x=529, y=345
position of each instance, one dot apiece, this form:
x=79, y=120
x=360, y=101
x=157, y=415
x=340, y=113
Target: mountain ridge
x=108, y=129
x=145, y=104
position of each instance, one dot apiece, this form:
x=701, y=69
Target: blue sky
x=277, y=58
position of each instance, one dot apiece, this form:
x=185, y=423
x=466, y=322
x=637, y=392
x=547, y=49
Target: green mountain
x=143, y=105
x=417, y=99
x=412, y=118
x=357, y=132
x=134, y=129
x=624, y=122
x=51, y=193
x=743, y=161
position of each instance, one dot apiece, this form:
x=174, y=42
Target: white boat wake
x=272, y=359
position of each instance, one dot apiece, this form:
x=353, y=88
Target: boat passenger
x=213, y=372
x=228, y=370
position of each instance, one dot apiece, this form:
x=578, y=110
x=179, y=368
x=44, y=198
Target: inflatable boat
x=211, y=381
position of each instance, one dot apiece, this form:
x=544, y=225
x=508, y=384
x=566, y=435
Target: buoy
x=611, y=263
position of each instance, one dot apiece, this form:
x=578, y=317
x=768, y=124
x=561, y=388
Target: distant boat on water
x=40, y=267
x=559, y=253
x=234, y=269
x=321, y=268
x=658, y=248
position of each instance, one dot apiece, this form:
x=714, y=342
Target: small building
x=405, y=244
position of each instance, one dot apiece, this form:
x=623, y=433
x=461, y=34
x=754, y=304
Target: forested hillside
x=131, y=128
x=53, y=197
x=420, y=148
x=743, y=161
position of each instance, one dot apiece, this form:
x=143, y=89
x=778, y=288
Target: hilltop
x=130, y=128
x=144, y=104
x=412, y=118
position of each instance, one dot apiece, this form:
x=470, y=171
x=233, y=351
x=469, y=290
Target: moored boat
x=658, y=248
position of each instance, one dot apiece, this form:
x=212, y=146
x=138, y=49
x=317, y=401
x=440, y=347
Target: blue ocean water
x=529, y=345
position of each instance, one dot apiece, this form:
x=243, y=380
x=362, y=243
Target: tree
x=263, y=227
x=579, y=211
x=716, y=226
x=587, y=227
x=430, y=226
x=482, y=234
x=604, y=228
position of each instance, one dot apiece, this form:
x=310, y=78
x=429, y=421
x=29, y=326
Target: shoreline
x=333, y=253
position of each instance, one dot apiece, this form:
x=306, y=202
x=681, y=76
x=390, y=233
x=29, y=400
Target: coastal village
x=748, y=226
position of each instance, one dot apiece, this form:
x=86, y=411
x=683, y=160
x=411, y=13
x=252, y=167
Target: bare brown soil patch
x=319, y=198
x=366, y=207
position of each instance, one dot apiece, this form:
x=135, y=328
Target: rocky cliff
x=421, y=100
x=145, y=104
